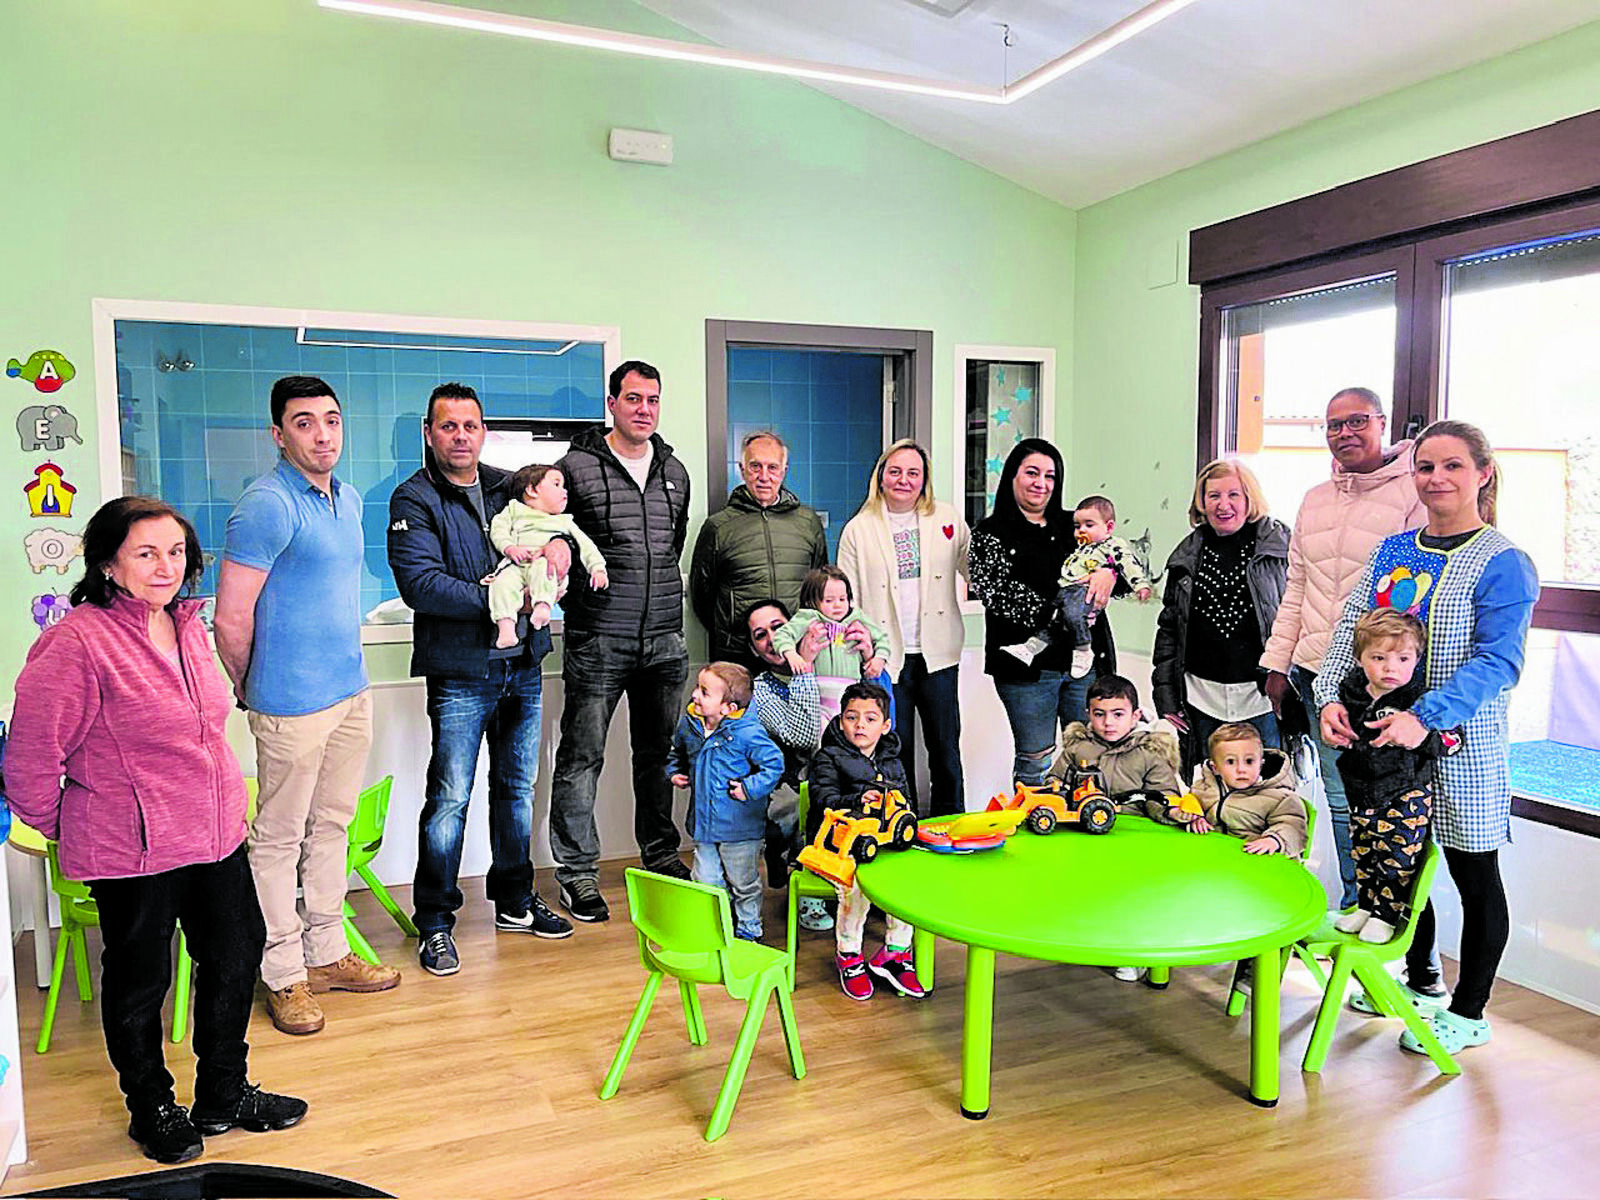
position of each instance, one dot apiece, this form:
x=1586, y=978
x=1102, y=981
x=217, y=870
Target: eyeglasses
x=1354, y=424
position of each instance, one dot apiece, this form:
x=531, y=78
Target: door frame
x=915, y=344
x=966, y=353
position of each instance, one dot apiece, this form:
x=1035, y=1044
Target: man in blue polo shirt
x=288, y=629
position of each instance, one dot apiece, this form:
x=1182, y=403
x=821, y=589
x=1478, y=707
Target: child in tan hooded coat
x=1138, y=763
x=1249, y=792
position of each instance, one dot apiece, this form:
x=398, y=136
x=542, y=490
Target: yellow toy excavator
x=851, y=836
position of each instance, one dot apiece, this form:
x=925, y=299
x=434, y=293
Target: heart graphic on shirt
x=949, y=533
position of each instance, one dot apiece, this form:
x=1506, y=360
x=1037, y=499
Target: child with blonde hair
x=1390, y=788
x=723, y=755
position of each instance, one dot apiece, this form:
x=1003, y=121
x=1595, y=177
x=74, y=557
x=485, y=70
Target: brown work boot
x=294, y=1009
x=352, y=974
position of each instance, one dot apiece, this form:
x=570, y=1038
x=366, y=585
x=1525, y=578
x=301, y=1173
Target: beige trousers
x=310, y=770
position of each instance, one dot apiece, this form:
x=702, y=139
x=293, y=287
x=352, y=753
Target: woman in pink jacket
x=118, y=754
x=1341, y=520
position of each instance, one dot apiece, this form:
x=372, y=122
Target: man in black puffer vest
x=627, y=492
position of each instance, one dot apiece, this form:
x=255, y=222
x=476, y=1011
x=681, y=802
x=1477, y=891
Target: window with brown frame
x=1466, y=286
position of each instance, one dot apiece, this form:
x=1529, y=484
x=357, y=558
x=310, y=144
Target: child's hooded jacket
x=737, y=749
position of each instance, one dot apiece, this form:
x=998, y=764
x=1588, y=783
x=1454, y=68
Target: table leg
x=1264, y=1030
x=922, y=956
x=977, y=1034
x=39, y=886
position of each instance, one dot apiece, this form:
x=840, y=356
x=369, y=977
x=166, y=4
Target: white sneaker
x=1377, y=931
x=813, y=914
x=1020, y=651
x=1128, y=974
x=1351, y=922
x=1082, y=661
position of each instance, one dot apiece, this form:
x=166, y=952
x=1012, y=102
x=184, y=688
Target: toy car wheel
x=1042, y=820
x=905, y=829
x=1097, y=816
x=864, y=850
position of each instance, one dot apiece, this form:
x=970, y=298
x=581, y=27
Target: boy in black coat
x=1390, y=787
x=861, y=753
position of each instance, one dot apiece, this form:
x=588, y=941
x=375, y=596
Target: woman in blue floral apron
x=1475, y=591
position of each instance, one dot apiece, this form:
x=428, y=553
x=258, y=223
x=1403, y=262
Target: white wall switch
x=638, y=145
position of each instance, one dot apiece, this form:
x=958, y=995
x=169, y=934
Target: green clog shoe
x=1423, y=1002
x=1455, y=1033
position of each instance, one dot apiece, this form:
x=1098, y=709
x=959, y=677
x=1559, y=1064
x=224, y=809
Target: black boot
x=166, y=1134
x=255, y=1110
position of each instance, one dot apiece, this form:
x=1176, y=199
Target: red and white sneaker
x=853, y=977
x=895, y=966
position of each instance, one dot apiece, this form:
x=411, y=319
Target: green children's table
x=1144, y=895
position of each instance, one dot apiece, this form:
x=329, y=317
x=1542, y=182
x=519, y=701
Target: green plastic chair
x=1365, y=960
x=686, y=930
x=366, y=839
x=1236, y=996
x=78, y=913
x=1159, y=977
x=802, y=884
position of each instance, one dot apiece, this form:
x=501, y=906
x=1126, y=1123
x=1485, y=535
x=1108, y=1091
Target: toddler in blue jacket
x=724, y=756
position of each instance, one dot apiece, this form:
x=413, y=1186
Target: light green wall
x=276, y=154
x=1136, y=347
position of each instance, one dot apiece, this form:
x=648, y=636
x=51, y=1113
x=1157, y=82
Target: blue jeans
x=1033, y=711
x=931, y=696
x=597, y=671
x=733, y=865
x=505, y=707
x=1332, y=786
x=1072, y=703
x=1203, y=725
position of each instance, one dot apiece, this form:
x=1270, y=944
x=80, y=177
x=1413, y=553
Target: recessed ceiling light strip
x=1106, y=39
x=426, y=12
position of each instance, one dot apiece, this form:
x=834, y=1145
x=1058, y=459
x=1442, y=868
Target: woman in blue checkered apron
x=1475, y=592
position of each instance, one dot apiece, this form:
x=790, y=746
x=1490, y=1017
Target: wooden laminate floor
x=484, y=1085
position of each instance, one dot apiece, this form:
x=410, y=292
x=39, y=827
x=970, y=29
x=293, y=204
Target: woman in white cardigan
x=903, y=552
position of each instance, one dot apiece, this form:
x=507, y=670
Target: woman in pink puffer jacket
x=1370, y=496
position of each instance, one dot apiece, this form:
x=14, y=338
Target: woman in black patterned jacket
x=1016, y=557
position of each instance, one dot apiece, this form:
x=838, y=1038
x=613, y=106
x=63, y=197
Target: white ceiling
x=1217, y=75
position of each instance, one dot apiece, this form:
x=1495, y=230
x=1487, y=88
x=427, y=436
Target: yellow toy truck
x=851, y=836
x=1080, y=799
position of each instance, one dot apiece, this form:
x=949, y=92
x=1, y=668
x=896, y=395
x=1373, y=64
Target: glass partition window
x=192, y=401
x=1002, y=406
x=1283, y=359
x=1520, y=362
x=828, y=405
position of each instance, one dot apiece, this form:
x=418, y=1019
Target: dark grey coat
x=1266, y=576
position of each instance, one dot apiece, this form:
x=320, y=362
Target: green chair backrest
x=683, y=926
x=802, y=808
x=1311, y=825
x=372, y=810
x=1421, y=888
x=71, y=891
